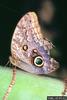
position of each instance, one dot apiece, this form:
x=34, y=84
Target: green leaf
x=29, y=86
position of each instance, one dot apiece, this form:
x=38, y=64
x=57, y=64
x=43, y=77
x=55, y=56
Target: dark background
x=11, y=12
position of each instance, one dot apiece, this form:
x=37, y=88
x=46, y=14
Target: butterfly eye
x=38, y=61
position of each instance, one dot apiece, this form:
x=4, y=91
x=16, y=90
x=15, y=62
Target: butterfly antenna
x=11, y=84
x=65, y=87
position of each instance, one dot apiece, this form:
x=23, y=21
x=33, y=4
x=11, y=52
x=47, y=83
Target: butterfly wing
x=27, y=38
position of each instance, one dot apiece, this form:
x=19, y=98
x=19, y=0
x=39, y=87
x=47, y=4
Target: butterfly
x=29, y=50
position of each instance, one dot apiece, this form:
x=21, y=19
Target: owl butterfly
x=29, y=50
